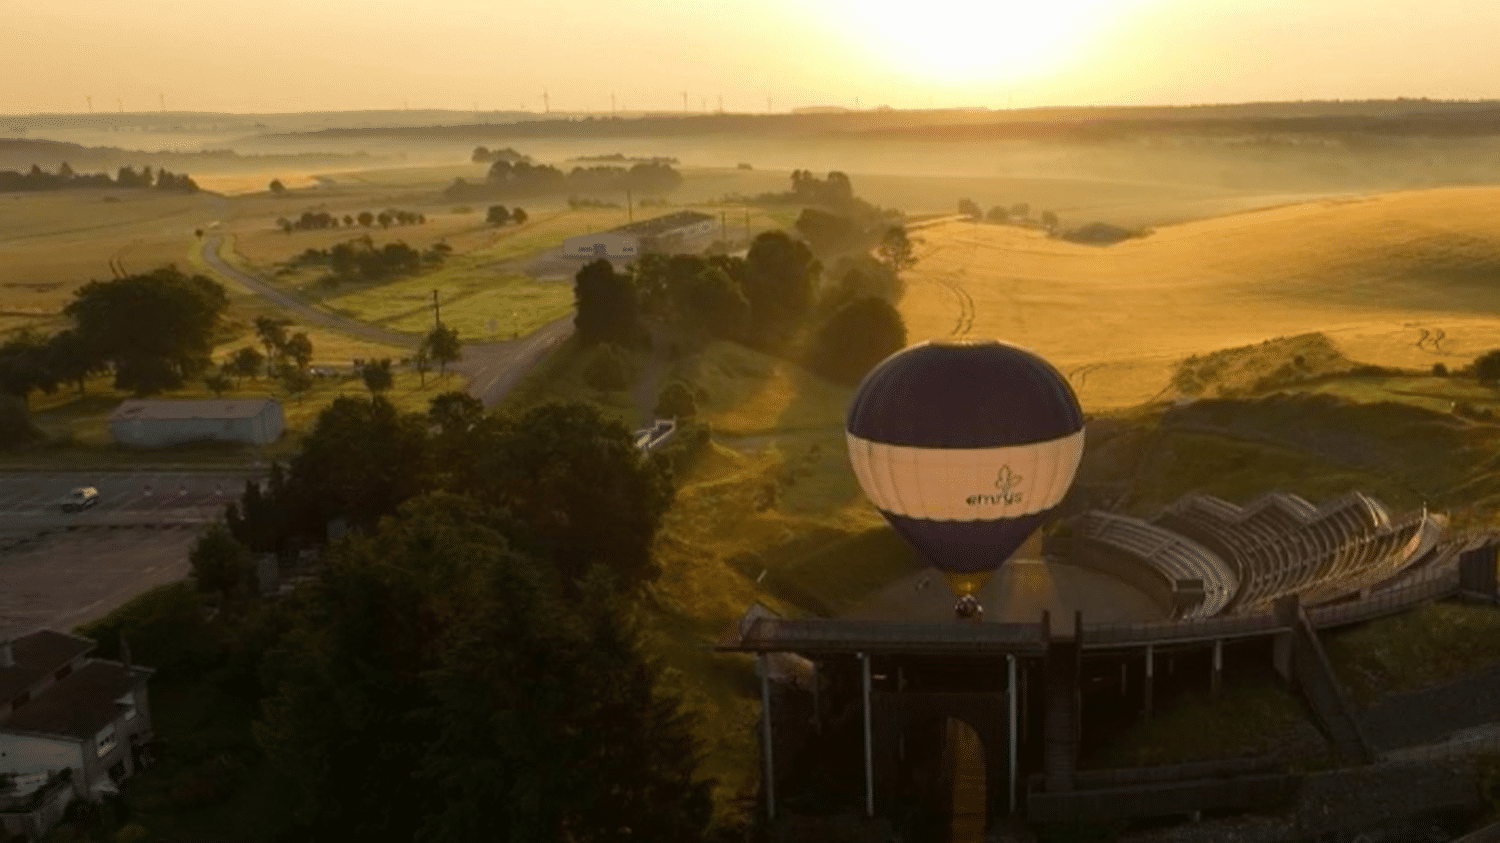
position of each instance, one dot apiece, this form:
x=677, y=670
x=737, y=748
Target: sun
x=958, y=42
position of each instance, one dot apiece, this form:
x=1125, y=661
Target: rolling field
x=1372, y=274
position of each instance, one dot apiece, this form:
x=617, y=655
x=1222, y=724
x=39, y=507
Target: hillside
x=1378, y=275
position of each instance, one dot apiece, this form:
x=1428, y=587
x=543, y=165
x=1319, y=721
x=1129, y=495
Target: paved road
x=493, y=368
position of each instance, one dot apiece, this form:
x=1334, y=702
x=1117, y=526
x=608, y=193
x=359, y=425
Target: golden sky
x=308, y=55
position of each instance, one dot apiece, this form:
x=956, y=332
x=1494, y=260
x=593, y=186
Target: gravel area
x=1409, y=803
x=1433, y=714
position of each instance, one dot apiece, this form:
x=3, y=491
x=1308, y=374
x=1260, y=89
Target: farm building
x=671, y=232
x=142, y=423
x=606, y=244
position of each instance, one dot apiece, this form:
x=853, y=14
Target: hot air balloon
x=966, y=448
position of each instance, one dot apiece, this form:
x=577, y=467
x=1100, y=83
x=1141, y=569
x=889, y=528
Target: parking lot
x=58, y=570
x=31, y=500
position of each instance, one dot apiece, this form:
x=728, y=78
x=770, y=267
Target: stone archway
x=912, y=728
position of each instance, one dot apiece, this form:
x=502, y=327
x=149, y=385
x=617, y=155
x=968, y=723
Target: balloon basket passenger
x=968, y=608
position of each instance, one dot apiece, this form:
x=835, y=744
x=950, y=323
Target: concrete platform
x=1018, y=592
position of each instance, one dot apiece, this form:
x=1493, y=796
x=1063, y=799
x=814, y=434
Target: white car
x=80, y=499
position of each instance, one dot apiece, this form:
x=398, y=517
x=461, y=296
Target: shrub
x=608, y=368
x=1439, y=370
x=858, y=336
x=676, y=401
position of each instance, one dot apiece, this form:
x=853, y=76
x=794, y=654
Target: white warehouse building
x=606, y=244
x=144, y=423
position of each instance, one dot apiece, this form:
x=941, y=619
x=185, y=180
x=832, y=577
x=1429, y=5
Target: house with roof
x=156, y=423
x=71, y=726
x=680, y=231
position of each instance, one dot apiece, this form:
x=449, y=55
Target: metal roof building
x=147, y=423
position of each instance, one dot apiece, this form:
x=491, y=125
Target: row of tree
x=489, y=156
x=508, y=179
x=361, y=259
x=38, y=179
x=319, y=220
x=1019, y=212
x=500, y=215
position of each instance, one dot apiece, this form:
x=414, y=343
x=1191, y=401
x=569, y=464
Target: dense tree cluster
x=38, y=179
x=759, y=299
x=360, y=259
x=488, y=156
x=320, y=220
x=154, y=331
x=859, y=335
x=500, y=215
x=514, y=179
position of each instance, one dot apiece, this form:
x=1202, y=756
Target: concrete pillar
x=1010, y=685
x=1149, y=670
x=765, y=736
x=1024, y=721
x=1285, y=610
x=817, y=699
x=1124, y=679
x=1216, y=678
x=864, y=660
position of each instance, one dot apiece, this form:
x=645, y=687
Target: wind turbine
x=684, y=101
x=546, y=102
x=91, y=103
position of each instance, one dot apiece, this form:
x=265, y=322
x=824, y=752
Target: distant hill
x=1380, y=117
x=21, y=154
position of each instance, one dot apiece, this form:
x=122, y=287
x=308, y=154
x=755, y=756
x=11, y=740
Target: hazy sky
x=305, y=55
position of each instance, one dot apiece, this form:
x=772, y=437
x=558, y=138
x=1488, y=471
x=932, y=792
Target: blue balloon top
x=971, y=394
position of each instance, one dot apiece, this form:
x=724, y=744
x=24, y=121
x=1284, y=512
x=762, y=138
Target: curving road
x=493, y=368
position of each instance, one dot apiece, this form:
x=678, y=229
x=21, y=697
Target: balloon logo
x=966, y=448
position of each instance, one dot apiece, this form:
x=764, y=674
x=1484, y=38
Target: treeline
x=621, y=157
x=507, y=179
x=65, y=179
x=361, y=259
x=319, y=220
x=154, y=331
x=774, y=299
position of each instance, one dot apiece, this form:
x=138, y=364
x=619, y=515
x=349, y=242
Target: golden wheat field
x=1377, y=274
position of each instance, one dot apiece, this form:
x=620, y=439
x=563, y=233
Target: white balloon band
x=966, y=484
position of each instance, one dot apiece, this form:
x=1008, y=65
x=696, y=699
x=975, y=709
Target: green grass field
x=1414, y=650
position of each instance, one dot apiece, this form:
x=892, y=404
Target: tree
x=158, y=329
x=277, y=187
x=219, y=383
x=968, y=208
x=578, y=482
x=26, y=365
x=858, y=336
x=362, y=459
x=895, y=250
x=221, y=565
x=518, y=216
x=299, y=348
x=366, y=218
x=608, y=368
x=497, y=215
x=997, y=214
x=455, y=412
x=443, y=347
x=384, y=219
x=1439, y=370
x=16, y=426
x=1487, y=366
x=606, y=305
x=272, y=334
x=421, y=360
x=377, y=375
x=435, y=671
x=1020, y=210
x=779, y=275
x=245, y=363
x=71, y=360
x=296, y=381
x=1049, y=220
x=348, y=220
x=676, y=401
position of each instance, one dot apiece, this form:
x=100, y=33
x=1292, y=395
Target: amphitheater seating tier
x=1278, y=545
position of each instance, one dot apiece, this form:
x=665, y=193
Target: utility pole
x=546, y=102
x=91, y=103
x=721, y=103
x=611, y=103
x=724, y=226
x=163, y=103
x=121, y=102
x=684, y=101
x=856, y=103
x=437, y=318
x=629, y=214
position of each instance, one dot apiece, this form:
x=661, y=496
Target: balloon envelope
x=965, y=448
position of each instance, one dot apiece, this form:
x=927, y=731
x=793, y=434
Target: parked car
x=80, y=499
